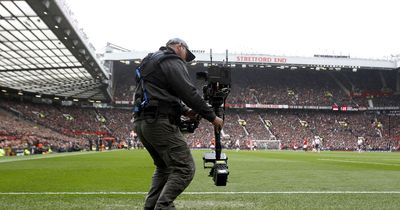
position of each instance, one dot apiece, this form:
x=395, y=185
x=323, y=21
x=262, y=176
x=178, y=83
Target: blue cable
x=145, y=96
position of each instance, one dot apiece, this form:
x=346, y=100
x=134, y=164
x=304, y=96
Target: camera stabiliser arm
x=216, y=92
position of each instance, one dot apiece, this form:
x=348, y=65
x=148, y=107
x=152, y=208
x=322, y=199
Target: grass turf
x=258, y=180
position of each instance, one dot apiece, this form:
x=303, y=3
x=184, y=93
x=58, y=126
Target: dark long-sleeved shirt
x=180, y=88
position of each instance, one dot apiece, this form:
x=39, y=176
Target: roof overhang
x=42, y=51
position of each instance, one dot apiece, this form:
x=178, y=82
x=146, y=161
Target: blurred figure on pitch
x=316, y=143
x=360, y=143
x=305, y=144
x=237, y=145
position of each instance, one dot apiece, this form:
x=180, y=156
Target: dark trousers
x=174, y=163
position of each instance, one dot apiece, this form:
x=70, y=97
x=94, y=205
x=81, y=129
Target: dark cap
x=190, y=55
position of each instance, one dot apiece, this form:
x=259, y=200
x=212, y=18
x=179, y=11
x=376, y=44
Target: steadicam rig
x=216, y=92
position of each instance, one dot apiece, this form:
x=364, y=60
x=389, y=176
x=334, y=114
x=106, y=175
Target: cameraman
x=166, y=84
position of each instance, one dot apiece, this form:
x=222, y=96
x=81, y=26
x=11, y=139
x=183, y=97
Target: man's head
x=181, y=49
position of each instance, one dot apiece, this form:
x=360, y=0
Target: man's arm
x=178, y=78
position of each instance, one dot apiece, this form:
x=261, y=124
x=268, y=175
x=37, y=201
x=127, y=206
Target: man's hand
x=218, y=123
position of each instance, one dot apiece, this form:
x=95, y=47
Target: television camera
x=218, y=78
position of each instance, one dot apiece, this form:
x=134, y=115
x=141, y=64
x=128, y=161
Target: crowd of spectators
x=92, y=127
x=21, y=137
x=305, y=87
x=338, y=130
x=314, y=88
x=66, y=120
x=61, y=128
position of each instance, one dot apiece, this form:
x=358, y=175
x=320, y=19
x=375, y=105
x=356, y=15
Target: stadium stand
x=57, y=94
x=368, y=88
x=21, y=137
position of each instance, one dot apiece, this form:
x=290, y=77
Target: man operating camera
x=163, y=83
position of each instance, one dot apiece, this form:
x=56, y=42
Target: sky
x=362, y=29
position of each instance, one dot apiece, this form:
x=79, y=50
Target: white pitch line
x=202, y=193
x=363, y=162
x=45, y=156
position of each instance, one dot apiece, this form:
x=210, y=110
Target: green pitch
x=258, y=180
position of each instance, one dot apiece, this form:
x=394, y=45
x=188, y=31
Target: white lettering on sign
x=260, y=59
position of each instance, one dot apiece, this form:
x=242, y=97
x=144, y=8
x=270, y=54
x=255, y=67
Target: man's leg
x=183, y=169
x=168, y=149
x=161, y=172
x=159, y=179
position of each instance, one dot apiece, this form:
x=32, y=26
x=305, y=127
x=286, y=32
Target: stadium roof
x=43, y=52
